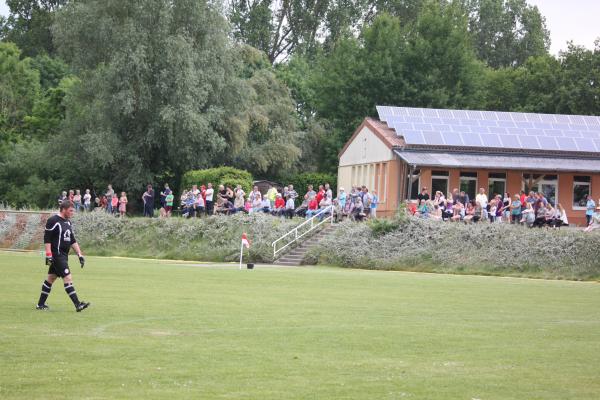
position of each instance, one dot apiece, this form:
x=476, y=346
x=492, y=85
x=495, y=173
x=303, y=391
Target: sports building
x=407, y=149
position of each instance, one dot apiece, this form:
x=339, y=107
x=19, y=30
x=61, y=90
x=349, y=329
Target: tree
x=507, y=32
x=19, y=90
x=264, y=136
x=580, y=85
x=157, y=78
x=29, y=23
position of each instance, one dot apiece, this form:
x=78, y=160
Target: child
x=114, y=202
x=122, y=204
x=169, y=203
x=374, y=203
x=493, y=211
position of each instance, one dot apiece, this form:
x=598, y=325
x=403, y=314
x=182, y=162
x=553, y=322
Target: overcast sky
x=575, y=20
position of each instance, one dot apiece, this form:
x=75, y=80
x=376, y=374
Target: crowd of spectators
x=285, y=202
x=108, y=202
x=532, y=209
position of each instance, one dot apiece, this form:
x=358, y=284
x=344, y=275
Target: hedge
x=218, y=176
x=302, y=180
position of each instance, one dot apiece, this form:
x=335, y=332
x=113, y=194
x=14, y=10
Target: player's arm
x=48, y=241
x=77, y=249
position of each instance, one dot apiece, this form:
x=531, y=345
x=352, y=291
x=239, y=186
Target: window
x=439, y=182
x=497, y=183
x=468, y=183
x=416, y=185
x=546, y=184
x=581, y=189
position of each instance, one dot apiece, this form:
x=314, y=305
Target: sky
x=574, y=20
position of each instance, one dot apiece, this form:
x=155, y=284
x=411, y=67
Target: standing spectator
x=198, y=208
x=123, y=204
x=109, y=195
x=114, y=203
x=342, y=198
x=62, y=197
x=87, y=200
x=210, y=205
x=148, y=199
x=464, y=198
x=482, y=199
x=515, y=210
x=328, y=191
x=292, y=193
x=271, y=195
x=77, y=200
x=71, y=195
x=590, y=206
x=562, y=215
x=290, y=205
x=163, y=196
x=374, y=203
x=595, y=223
x=169, y=203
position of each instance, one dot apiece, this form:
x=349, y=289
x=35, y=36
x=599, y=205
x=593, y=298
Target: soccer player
x=58, y=240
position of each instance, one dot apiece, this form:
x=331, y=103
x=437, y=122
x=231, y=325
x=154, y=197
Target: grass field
x=164, y=330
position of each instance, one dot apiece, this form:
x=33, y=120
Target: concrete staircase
x=293, y=258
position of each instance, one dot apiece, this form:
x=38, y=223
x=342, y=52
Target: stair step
x=287, y=263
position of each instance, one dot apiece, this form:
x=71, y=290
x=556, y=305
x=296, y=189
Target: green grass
x=161, y=330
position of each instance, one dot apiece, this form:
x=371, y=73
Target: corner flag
x=245, y=241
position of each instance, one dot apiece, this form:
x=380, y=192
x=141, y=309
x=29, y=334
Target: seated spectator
x=238, y=202
x=528, y=215
x=540, y=214
x=562, y=216
x=478, y=212
x=256, y=199
x=313, y=207
x=457, y=211
x=436, y=214
x=411, y=207
x=199, y=206
x=469, y=212
x=324, y=204
x=358, y=210
x=550, y=215
x=422, y=210
x=265, y=205
x=279, y=209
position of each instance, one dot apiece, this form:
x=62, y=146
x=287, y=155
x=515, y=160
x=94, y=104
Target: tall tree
x=580, y=86
x=158, y=77
x=29, y=23
x=507, y=32
x=19, y=90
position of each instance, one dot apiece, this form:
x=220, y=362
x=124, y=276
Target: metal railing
x=325, y=215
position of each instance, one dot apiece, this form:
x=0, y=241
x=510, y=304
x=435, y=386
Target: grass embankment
x=206, y=239
x=157, y=330
x=489, y=249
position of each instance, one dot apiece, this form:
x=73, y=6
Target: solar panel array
x=490, y=129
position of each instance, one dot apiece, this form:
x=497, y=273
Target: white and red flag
x=245, y=241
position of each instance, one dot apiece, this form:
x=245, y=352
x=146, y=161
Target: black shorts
x=60, y=266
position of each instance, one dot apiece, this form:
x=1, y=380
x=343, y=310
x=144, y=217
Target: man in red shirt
x=313, y=207
x=320, y=194
x=279, y=205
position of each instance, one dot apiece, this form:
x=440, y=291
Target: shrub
x=216, y=238
x=498, y=249
x=217, y=176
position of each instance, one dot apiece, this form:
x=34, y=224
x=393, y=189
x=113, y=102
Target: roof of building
x=423, y=158
x=490, y=130
x=387, y=135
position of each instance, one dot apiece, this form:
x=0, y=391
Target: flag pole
x=241, y=252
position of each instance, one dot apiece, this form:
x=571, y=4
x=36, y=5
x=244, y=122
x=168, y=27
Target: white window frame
x=446, y=177
x=588, y=184
x=546, y=182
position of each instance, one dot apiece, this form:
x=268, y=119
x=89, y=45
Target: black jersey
x=59, y=234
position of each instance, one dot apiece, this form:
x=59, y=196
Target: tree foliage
x=157, y=79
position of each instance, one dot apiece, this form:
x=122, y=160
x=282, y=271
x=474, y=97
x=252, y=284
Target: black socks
x=46, y=287
x=70, y=289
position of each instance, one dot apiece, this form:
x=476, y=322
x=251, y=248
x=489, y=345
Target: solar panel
x=438, y=127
